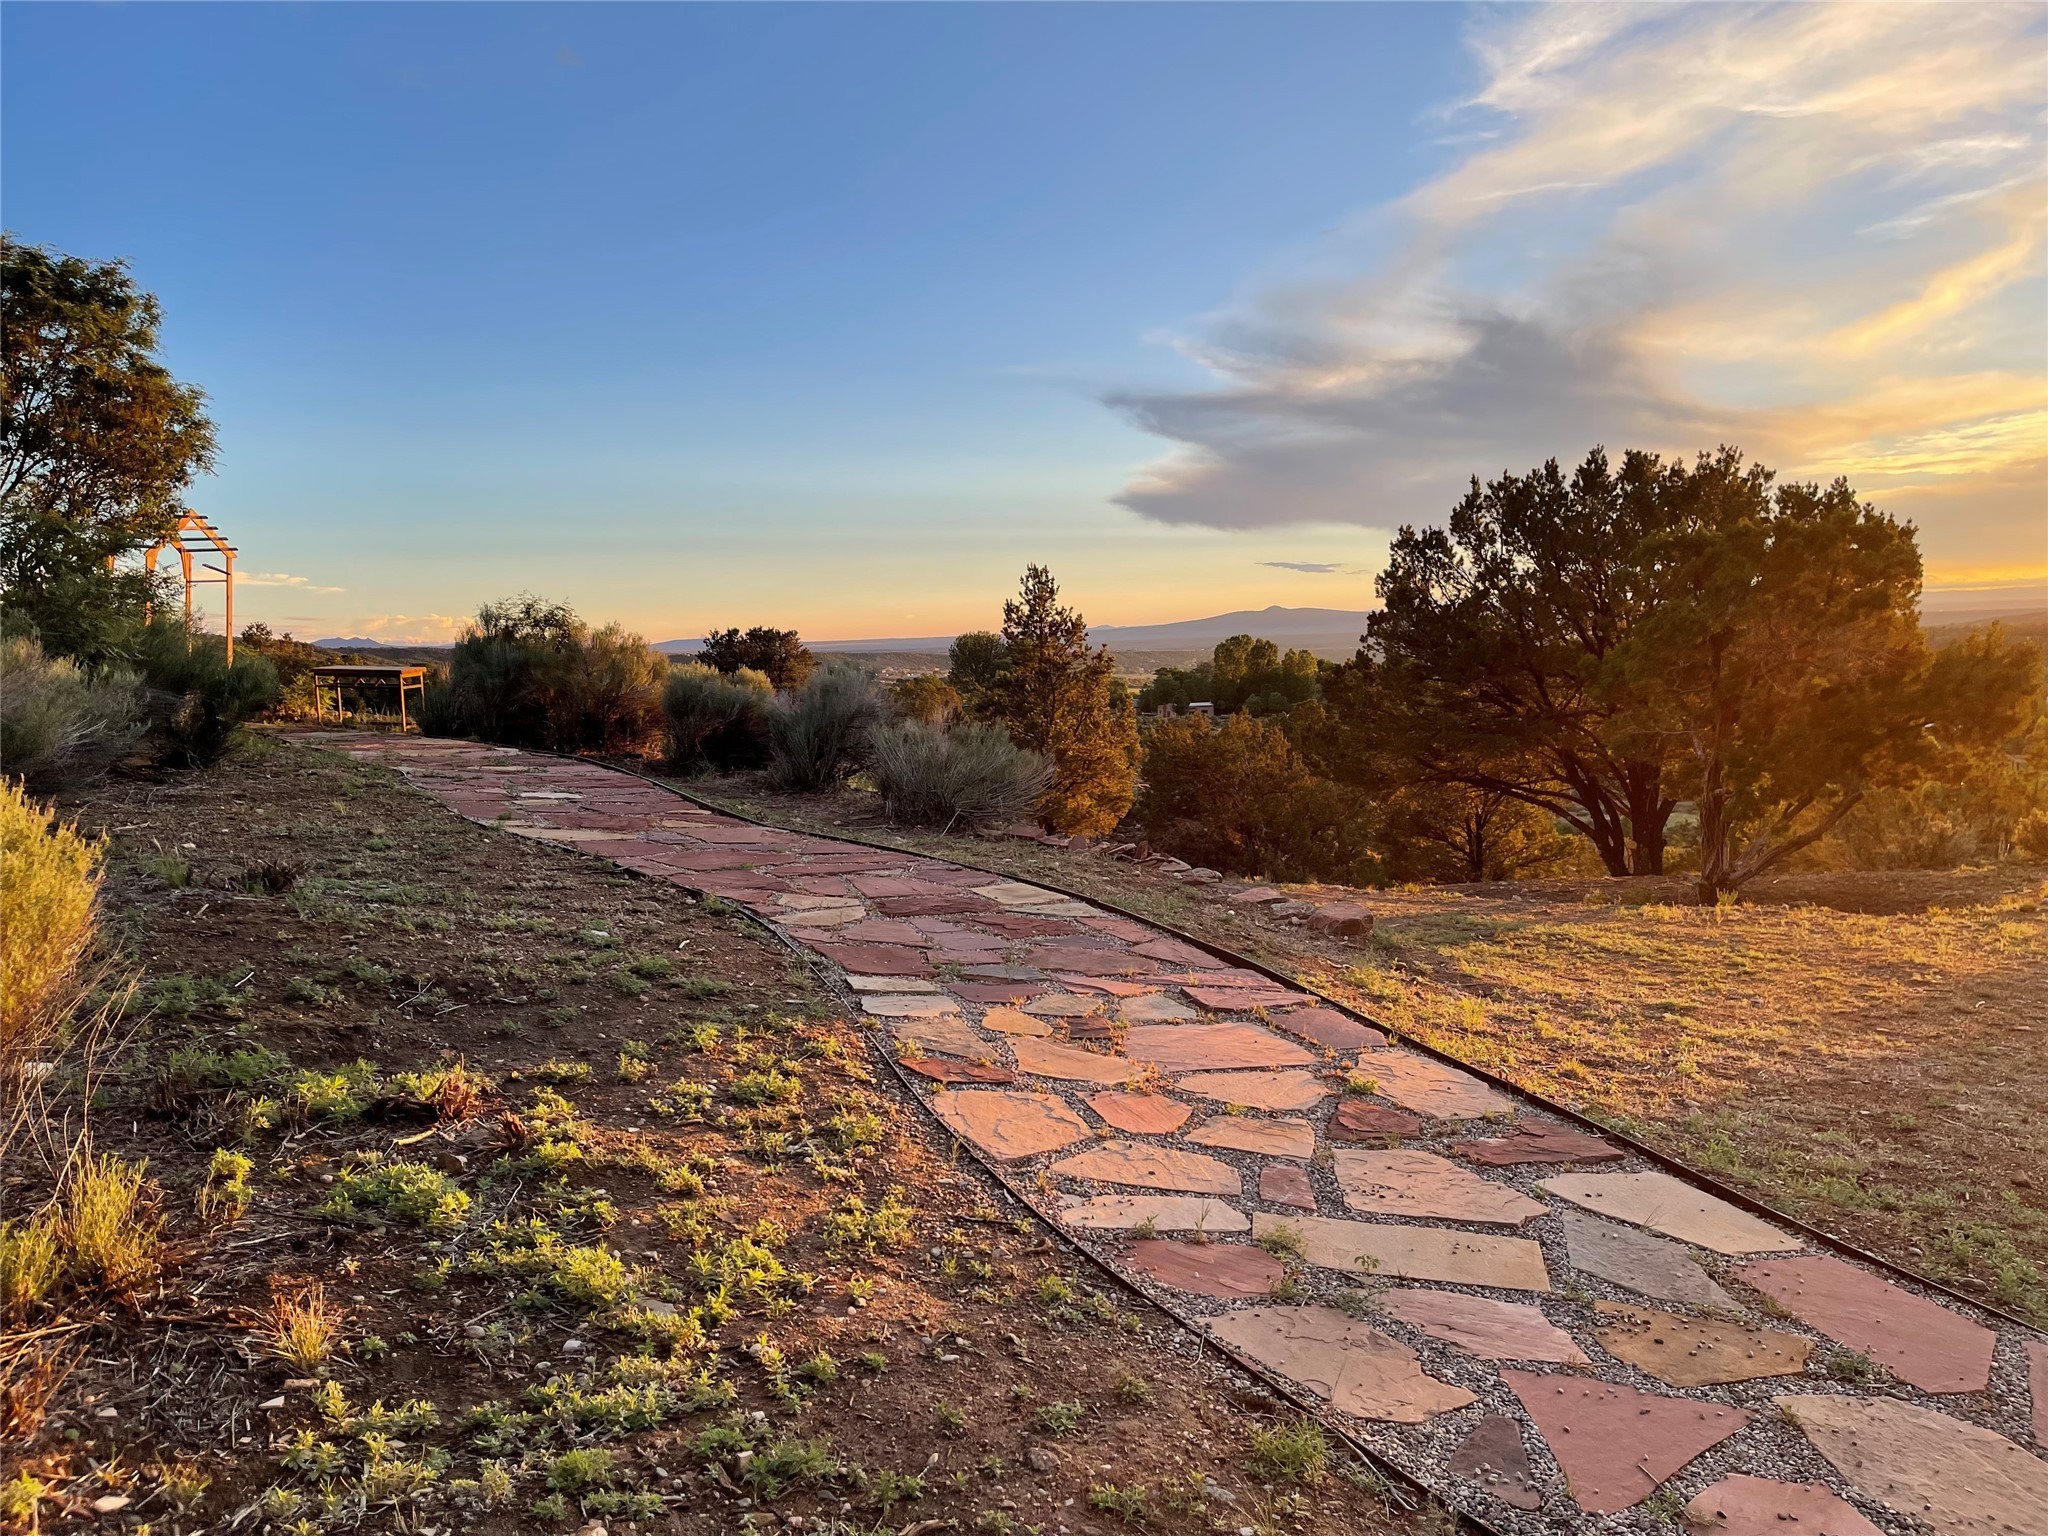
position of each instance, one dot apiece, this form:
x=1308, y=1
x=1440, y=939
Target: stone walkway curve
x=1547, y=1330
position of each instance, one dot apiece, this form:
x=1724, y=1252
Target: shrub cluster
x=58, y=723
x=712, y=720
x=532, y=674
x=197, y=697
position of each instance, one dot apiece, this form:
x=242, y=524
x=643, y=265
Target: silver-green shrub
x=818, y=735
x=713, y=720
x=966, y=776
x=59, y=725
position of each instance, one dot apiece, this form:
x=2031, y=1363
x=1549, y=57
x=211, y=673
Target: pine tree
x=1061, y=699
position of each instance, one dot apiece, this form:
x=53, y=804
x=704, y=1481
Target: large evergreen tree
x=1060, y=699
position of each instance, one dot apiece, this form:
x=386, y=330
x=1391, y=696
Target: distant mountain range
x=1329, y=632
x=1332, y=631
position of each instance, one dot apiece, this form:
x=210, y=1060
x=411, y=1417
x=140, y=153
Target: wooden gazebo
x=194, y=535
x=329, y=681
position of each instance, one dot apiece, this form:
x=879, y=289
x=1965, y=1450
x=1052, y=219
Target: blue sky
x=836, y=316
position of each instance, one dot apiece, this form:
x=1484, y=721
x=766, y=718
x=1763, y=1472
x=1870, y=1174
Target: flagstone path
x=1547, y=1330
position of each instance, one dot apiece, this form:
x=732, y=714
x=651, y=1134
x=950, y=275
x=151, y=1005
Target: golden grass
x=31, y=1262
x=111, y=1239
x=302, y=1329
x=49, y=878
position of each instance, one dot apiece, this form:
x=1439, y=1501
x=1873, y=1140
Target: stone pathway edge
x=1664, y=1160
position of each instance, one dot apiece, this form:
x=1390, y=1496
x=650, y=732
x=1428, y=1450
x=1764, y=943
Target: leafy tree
x=1252, y=674
x=929, y=697
x=779, y=653
x=1179, y=687
x=1238, y=797
x=97, y=441
x=1605, y=647
x=977, y=663
x=1061, y=700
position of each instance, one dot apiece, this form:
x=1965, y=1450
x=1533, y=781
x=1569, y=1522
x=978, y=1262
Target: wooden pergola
x=194, y=535
x=331, y=680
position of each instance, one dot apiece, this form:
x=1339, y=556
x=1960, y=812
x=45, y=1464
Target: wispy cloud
x=410, y=629
x=1816, y=231
x=279, y=579
x=1306, y=567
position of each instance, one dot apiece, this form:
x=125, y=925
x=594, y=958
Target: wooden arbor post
x=194, y=535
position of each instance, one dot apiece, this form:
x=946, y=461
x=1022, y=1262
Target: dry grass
x=51, y=876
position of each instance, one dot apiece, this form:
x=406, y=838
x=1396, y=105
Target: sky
x=834, y=317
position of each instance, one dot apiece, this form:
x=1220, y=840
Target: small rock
x=572, y=1347
x=1200, y=876
x=1289, y=909
x=1039, y=1459
x=108, y=1503
x=107, y=1413
x=474, y=1331
x=595, y=1528
x=302, y=1384
x=451, y=1162
x=1342, y=920
x=270, y=1404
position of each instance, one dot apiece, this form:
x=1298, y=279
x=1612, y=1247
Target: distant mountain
x=360, y=644
x=1326, y=631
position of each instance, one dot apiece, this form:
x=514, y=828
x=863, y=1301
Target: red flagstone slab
x=1698, y=1354
x=1430, y=1088
x=1493, y=1457
x=1414, y=1253
x=1154, y=1008
x=1006, y=973
x=894, y=885
x=734, y=835
x=1095, y=1028
x=710, y=858
x=875, y=959
x=875, y=931
x=1049, y=1058
x=1150, y=1114
x=1173, y=952
x=2037, y=1379
x=1063, y=1005
x=1741, y=1505
x=941, y=1071
x=1538, y=1144
x=1492, y=1330
x=1617, y=1444
x=1673, y=1207
x=1327, y=1027
x=1269, y=1138
x=1280, y=1184
x=1016, y=926
x=1014, y=1021
x=1231, y=1271
x=1009, y=1124
x=1087, y=962
x=821, y=885
x=1959, y=1479
x=1351, y=1364
x=1918, y=1341
x=1356, y=1120
x=1151, y=1167
x=1118, y=927
x=1289, y=1088
x=946, y=903
x=1209, y=1047
x=1654, y=1266
x=1161, y=1213
x=1109, y=986
x=1405, y=1182
x=946, y=1036
x=1236, y=1000
x=997, y=991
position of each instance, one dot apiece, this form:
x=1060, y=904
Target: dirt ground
x=670, y=1252
x=1864, y=1051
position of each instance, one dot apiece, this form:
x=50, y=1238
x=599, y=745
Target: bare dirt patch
x=669, y=1251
